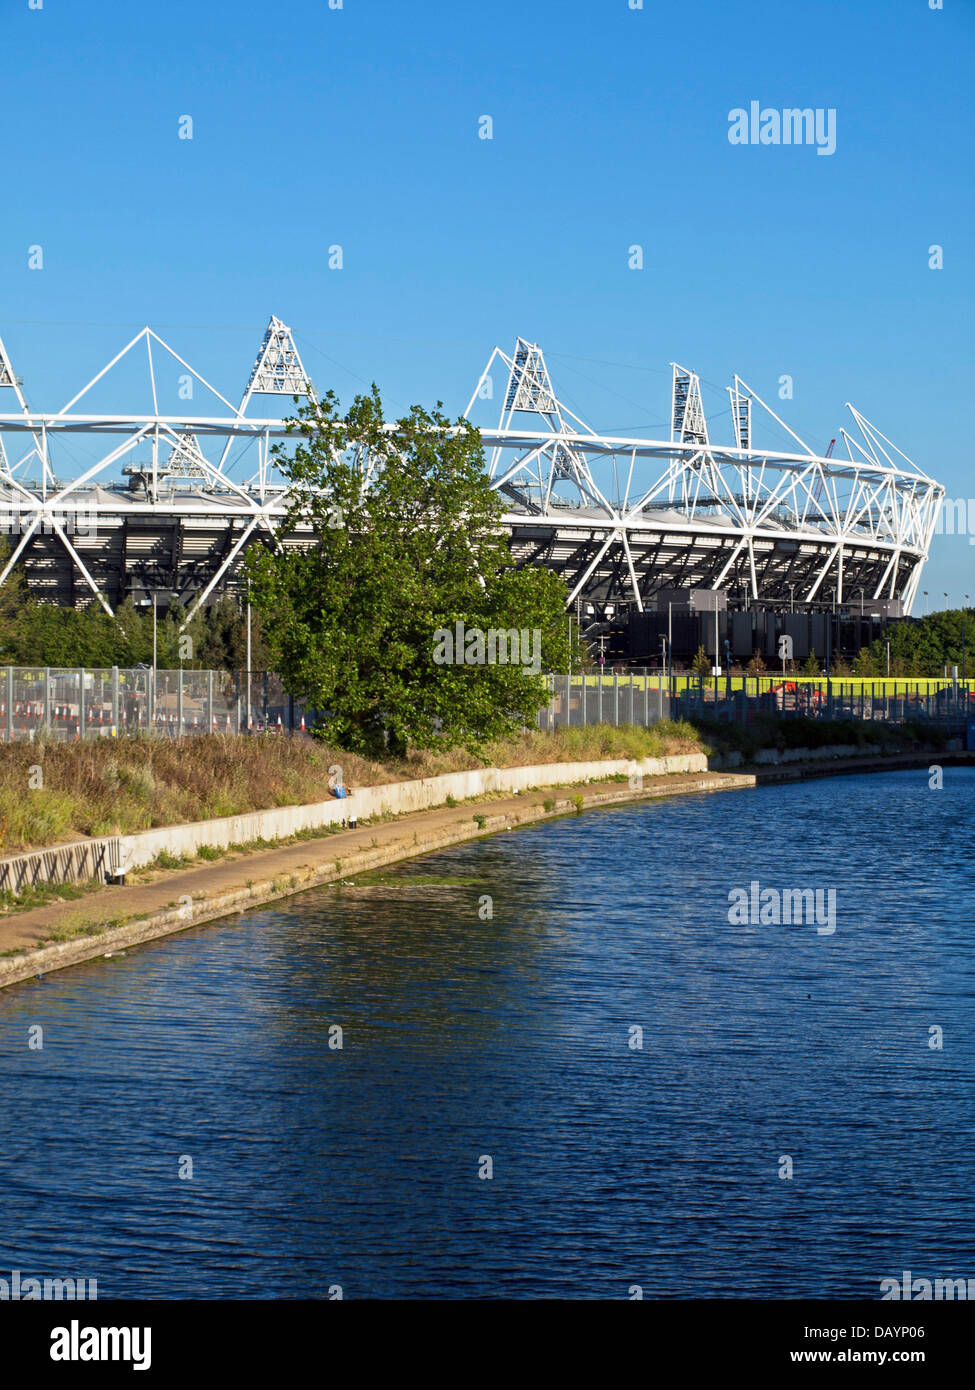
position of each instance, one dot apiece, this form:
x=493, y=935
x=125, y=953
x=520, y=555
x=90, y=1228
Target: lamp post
x=152, y=702
x=156, y=595
x=925, y=593
x=249, y=665
x=964, y=612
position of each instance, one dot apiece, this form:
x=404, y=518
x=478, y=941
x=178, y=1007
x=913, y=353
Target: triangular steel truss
x=278, y=370
x=774, y=523
x=688, y=425
x=618, y=517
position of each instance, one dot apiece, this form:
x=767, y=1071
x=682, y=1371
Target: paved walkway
x=61, y=934
x=88, y=926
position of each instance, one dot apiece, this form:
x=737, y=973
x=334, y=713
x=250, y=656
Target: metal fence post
x=209, y=702
x=585, y=682
x=616, y=698
x=10, y=705
x=179, y=704
x=115, y=698
x=47, y=699
x=81, y=701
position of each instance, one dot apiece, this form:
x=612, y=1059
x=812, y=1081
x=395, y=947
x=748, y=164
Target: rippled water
x=510, y=1038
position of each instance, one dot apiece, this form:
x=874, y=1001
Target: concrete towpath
x=59, y=934
x=111, y=918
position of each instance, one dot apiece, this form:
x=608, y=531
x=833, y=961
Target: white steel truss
x=624, y=518
x=171, y=499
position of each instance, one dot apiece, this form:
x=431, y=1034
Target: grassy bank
x=770, y=731
x=51, y=792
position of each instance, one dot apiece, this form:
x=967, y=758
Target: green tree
x=701, y=665
x=757, y=667
x=408, y=544
x=810, y=667
x=219, y=635
x=864, y=663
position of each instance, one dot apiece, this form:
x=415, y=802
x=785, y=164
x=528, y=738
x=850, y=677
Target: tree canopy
x=385, y=622
x=43, y=634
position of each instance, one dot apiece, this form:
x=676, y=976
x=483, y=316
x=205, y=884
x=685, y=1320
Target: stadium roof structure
x=169, y=499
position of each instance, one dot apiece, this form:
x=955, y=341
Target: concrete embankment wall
x=87, y=859
x=395, y=798
x=73, y=863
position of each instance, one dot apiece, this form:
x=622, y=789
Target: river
x=494, y=1123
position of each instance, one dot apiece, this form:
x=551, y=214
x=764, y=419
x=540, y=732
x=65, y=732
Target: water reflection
x=509, y=1037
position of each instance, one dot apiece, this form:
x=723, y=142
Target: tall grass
x=113, y=787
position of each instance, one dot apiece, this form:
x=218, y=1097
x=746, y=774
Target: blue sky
x=359, y=127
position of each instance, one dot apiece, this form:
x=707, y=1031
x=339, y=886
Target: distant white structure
x=171, y=502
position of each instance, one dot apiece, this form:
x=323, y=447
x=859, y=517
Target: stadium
x=159, y=488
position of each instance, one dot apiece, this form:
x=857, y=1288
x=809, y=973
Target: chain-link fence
x=78, y=702
x=72, y=703
x=644, y=697
x=630, y=697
